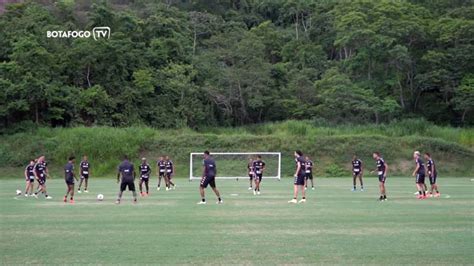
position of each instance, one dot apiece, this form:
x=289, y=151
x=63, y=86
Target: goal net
x=233, y=165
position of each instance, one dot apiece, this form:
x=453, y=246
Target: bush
x=334, y=170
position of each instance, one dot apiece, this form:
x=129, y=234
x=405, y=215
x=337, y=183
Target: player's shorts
x=31, y=180
x=84, y=175
x=259, y=176
x=129, y=184
x=356, y=173
x=250, y=176
x=299, y=180
x=309, y=176
x=382, y=178
x=69, y=181
x=169, y=175
x=420, y=178
x=42, y=181
x=433, y=179
x=145, y=178
x=162, y=174
x=208, y=180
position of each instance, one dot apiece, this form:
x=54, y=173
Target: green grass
x=335, y=226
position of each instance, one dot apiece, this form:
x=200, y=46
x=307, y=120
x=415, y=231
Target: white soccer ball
x=100, y=197
x=18, y=192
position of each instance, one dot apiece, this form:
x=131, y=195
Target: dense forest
x=188, y=63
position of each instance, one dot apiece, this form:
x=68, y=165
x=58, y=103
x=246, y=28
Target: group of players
x=37, y=170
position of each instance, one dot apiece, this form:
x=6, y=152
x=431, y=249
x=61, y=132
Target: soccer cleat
x=220, y=202
x=312, y=188
x=167, y=188
x=141, y=194
x=255, y=192
x=146, y=194
x=201, y=202
x=353, y=189
x=416, y=193
x=79, y=191
x=302, y=201
x=158, y=189
x=49, y=197
x=135, y=201
x=35, y=195
x=361, y=190
x=293, y=201
x=174, y=187
x=305, y=188
x=250, y=188
x=117, y=202
x=258, y=192
x=65, y=199
x=437, y=195
x=26, y=195
x=87, y=191
x=420, y=197
x=71, y=201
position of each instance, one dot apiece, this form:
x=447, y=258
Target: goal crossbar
x=192, y=176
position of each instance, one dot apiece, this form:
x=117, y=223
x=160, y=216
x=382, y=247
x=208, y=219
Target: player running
x=169, y=173
x=41, y=172
x=145, y=171
x=258, y=167
x=30, y=178
x=126, y=174
x=432, y=174
x=299, y=178
x=85, y=172
x=419, y=174
x=161, y=172
x=209, y=172
x=357, y=172
x=308, y=173
x=382, y=169
x=251, y=172
x=69, y=177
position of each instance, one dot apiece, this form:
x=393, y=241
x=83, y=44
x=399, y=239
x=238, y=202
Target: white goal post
x=233, y=165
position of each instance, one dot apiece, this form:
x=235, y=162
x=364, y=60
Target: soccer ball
x=18, y=192
x=100, y=197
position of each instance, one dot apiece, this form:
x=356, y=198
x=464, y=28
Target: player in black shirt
x=126, y=175
x=209, y=172
x=382, y=169
x=85, y=173
x=145, y=171
x=251, y=172
x=419, y=174
x=161, y=172
x=308, y=172
x=30, y=178
x=169, y=173
x=299, y=178
x=432, y=175
x=41, y=172
x=357, y=172
x=69, y=177
x=258, y=168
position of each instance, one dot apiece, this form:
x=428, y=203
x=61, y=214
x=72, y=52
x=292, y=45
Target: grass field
x=335, y=226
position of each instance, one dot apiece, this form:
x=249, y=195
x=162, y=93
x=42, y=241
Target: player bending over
x=251, y=172
x=126, y=174
x=169, y=173
x=382, y=168
x=145, y=171
x=419, y=174
x=357, y=172
x=432, y=174
x=41, y=172
x=308, y=173
x=30, y=178
x=161, y=172
x=258, y=167
x=85, y=172
x=299, y=178
x=69, y=177
x=209, y=172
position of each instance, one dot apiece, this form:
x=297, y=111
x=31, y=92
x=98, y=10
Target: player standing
x=126, y=174
x=30, y=178
x=209, y=172
x=41, y=172
x=161, y=172
x=251, y=172
x=85, y=172
x=382, y=169
x=308, y=172
x=169, y=173
x=299, y=178
x=258, y=167
x=357, y=172
x=432, y=174
x=69, y=177
x=419, y=174
x=145, y=171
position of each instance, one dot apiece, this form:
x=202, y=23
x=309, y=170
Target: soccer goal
x=233, y=165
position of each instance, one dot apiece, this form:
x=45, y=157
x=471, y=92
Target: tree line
x=170, y=64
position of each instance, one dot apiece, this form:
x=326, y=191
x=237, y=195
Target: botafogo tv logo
x=96, y=33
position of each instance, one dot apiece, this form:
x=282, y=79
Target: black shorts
x=162, y=174
x=420, y=178
x=309, y=176
x=69, y=181
x=433, y=179
x=31, y=180
x=299, y=180
x=355, y=173
x=86, y=176
x=259, y=176
x=250, y=176
x=42, y=181
x=129, y=184
x=208, y=180
x=169, y=175
x=382, y=178
x=145, y=178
